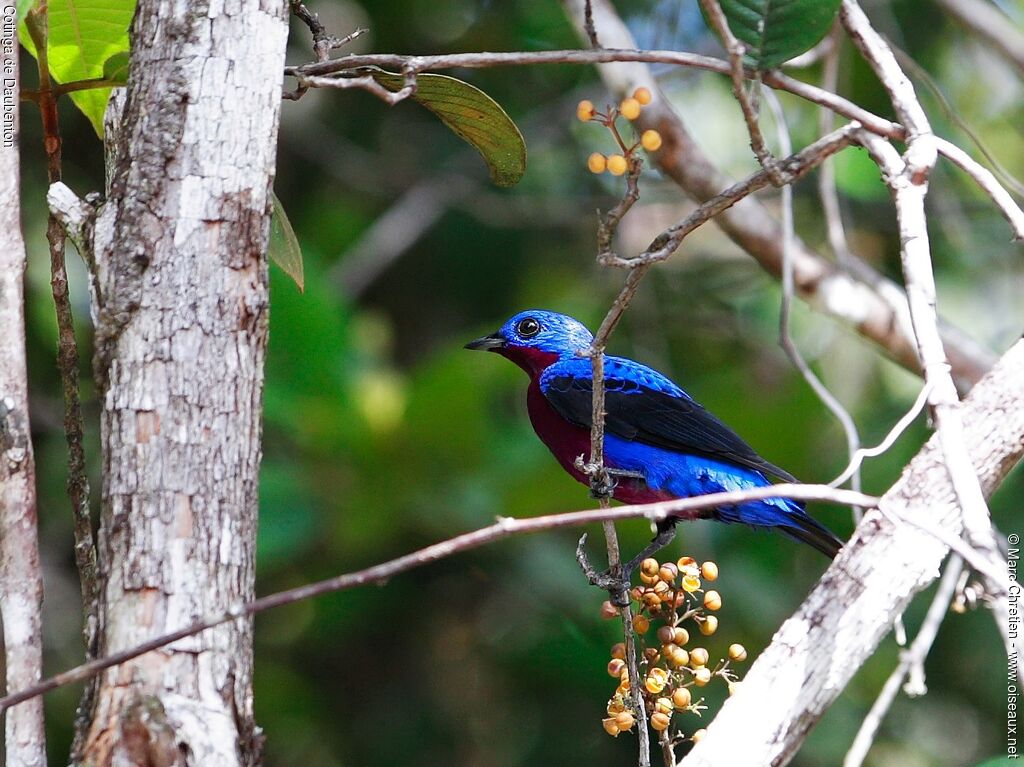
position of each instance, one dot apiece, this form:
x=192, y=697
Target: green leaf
x=473, y=116
x=284, y=249
x=83, y=35
x=23, y=7
x=775, y=31
x=115, y=68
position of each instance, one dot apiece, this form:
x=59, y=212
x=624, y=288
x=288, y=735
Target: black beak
x=487, y=343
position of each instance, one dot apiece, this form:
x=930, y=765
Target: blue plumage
x=668, y=444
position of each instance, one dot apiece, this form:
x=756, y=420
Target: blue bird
x=659, y=442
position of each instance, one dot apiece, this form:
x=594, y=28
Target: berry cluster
x=617, y=164
x=671, y=594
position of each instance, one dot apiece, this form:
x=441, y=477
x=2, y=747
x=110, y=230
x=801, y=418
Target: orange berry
x=624, y=720
x=610, y=727
x=680, y=657
x=686, y=563
x=698, y=736
x=698, y=657
x=664, y=705
x=709, y=571
x=668, y=572
x=737, y=652
x=585, y=111
x=651, y=140
x=616, y=666
x=643, y=96
x=690, y=583
x=713, y=600
x=597, y=163
x=608, y=610
x=681, y=697
x=650, y=566
x=660, y=721
x=619, y=651
x=641, y=624
x=709, y=625
x=702, y=676
x=618, y=165
x=654, y=685
x=680, y=636
x=630, y=108
x=616, y=705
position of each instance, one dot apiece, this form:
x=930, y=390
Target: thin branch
x=828, y=189
x=736, y=49
x=828, y=399
x=505, y=527
x=323, y=41
x=417, y=64
x=67, y=347
x=588, y=25
x=987, y=21
x=989, y=184
x=911, y=662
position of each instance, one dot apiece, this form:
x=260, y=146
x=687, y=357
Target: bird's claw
x=615, y=583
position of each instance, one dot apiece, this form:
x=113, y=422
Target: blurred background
x=382, y=435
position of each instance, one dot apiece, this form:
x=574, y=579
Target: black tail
x=811, y=532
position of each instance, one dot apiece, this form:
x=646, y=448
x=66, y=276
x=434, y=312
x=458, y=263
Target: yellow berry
x=608, y=610
x=713, y=600
x=616, y=705
x=630, y=108
x=702, y=676
x=709, y=625
x=668, y=572
x=698, y=736
x=642, y=95
x=681, y=697
x=641, y=624
x=664, y=705
x=680, y=657
x=650, y=565
x=709, y=570
x=691, y=583
x=698, y=657
x=616, y=666
x=651, y=140
x=680, y=636
x=685, y=563
x=597, y=163
x=624, y=720
x=610, y=727
x=737, y=652
x=619, y=651
x=660, y=721
x=585, y=111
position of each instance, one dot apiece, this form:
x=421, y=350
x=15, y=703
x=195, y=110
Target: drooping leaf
x=473, y=116
x=115, y=68
x=83, y=36
x=284, y=249
x=775, y=31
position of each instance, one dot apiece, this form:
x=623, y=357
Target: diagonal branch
x=816, y=652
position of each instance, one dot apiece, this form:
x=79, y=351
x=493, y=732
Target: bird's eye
x=528, y=327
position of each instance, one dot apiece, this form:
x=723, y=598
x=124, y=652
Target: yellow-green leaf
x=284, y=249
x=473, y=116
x=83, y=35
x=115, y=68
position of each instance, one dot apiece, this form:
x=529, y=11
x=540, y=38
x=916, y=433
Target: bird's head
x=536, y=338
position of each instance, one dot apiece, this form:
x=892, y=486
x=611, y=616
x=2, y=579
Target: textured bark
x=21, y=583
x=817, y=651
x=180, y=288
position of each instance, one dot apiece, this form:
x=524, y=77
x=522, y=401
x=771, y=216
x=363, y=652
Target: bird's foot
x=615, y=581
x=604, y=480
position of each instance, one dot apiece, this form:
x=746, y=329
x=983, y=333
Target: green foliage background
x=383, y=435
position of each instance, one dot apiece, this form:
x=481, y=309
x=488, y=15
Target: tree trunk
x=21, y=584
x=180, y=286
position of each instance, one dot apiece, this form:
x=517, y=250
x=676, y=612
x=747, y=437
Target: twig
x=989, y=184
x=418, y=64
x=505, y=527
x=988, y=22
x=827, y=188
x=736, y=50
x=911, y=662
x=365, y=82
x=828, y=399
x=894, y=434
x=588, y=25
x=323, y=41
x=67, y=347
x=600, y=480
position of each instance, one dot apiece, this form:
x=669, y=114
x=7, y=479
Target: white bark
x=181, y=288
x=817, y=651
x=21, y=584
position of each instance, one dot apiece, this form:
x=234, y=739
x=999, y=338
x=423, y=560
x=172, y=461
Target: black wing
x=638, y=413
